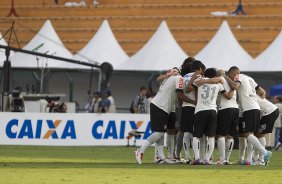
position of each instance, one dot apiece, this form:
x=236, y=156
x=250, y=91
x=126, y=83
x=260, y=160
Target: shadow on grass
x=70, y=165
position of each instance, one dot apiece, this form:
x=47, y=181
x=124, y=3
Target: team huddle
x=214, y=106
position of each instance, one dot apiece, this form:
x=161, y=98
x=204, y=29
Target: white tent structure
x=45, y=41
x=224, y=51
x=103, y=47
x=161, y=52
x=269, y=60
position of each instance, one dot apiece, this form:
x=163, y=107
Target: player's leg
x=170, y=135
x=210, y=132
x=159, y=121
x=233, y=132
x=199, y=127
x=187, y=124
x=252, y=119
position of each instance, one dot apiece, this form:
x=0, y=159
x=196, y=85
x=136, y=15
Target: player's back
x=207, y=95
x=224, y=102
x=166, y=95
x=247, y=93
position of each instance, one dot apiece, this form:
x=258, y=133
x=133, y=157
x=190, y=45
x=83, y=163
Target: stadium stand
x=134, y=21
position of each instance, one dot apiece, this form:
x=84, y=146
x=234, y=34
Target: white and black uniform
x=162, y=104
x=248, y=103
x=228, y=113
x=269, y=113
x=205, y=111
x=188, y=109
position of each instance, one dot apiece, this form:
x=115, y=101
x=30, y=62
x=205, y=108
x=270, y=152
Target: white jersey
x=166, y=97
x=224, y=103
x=266, y=107
x=191, y=95
x=247, y=93
x=207, y=95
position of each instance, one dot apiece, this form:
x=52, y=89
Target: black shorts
x=267, y=122
x=227, y=122
x=251, y=121
x=171, y=120
x=205, y=123
x=159, y=119
x=187, y=119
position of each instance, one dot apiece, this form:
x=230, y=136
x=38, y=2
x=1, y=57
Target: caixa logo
x=26, y=129
x=117, y=130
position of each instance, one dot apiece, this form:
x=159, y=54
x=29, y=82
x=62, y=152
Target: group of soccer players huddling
x=215, y=106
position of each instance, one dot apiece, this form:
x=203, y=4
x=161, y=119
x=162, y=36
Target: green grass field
x=30, y=164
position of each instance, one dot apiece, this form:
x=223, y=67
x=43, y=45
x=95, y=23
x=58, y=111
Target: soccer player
x=227, y=122
x=161, y=106
x=205, y=114
x=250, y=109
x=188, y=109
x=269, y=113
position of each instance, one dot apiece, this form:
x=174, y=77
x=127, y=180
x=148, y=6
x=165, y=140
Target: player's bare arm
x=182, y=98
x=189, y=86
x=233, y=84
x=162, y=77
x=261, y=92
x=228, y=95
x=214, y=80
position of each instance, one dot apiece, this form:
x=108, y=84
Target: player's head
x=210, y=73
x=232, y=72
x=220, y=72
x=198, y=66
x=186, y=66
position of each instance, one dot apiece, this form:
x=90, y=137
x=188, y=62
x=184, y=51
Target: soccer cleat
x=138, y=156
x=166, y=161
x=227, y=163
x=196, y=162
x=267, y=157
x=188, y=161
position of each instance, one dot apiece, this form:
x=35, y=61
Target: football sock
x=186, y=144
x=249, y=151
x=210, y=147
x=160, y=147
x=262, y=141
x=154, y=137
x=221, y=148
x=242, y=148
x=255, y=142
x=170, y=145
x=196, y=147
x=228, y=148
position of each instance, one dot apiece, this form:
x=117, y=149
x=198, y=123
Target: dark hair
x=186, y=66
x=142, y=88
x=210, y=73
x=108, y=92
x=233, y=68
x=197, y=65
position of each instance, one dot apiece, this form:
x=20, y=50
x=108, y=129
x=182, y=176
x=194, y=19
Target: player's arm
x=167, y=75
x=233, y=84
x=182, y=98
x=228, y=95
x=260, y=91
x=214, y=80
x=190, y=86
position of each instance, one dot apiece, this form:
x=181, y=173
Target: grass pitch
x=105, y=165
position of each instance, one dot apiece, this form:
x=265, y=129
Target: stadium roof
x=160, y=53
x=103, y=47
x=224, y=51
x=45, y=41
x=270, y=59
